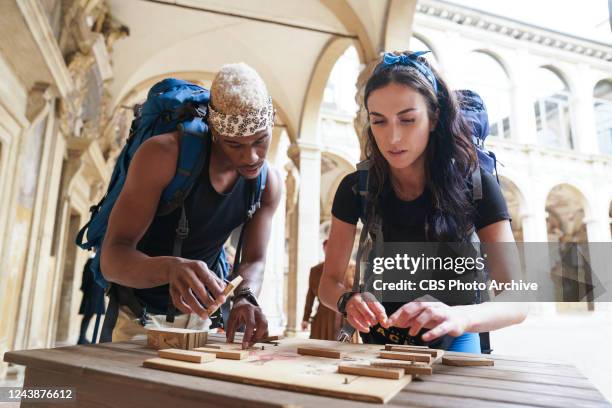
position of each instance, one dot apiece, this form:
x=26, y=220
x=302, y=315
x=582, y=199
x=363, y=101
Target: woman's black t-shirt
x=404, y=221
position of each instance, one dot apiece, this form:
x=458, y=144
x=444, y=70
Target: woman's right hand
x=364, y=311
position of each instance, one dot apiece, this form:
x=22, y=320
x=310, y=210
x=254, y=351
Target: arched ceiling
x=282, y=39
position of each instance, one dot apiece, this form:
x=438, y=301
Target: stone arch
x=316, y=86
x=567, y=208
x=515, y=200
x=553, y=108
x=602, y=106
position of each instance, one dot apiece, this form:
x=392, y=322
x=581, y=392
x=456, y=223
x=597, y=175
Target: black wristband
x=343, y=300
x=247, y=294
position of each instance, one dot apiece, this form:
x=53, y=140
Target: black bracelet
x=247, y=294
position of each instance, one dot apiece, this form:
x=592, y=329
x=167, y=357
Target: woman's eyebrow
x=398, y=113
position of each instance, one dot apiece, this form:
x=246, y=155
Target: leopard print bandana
x=246, y=124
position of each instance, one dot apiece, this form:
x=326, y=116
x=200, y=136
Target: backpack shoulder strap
x=192, y=158
x=363, y=184
x=476, y=184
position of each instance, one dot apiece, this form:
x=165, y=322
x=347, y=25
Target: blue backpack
x=172, y=104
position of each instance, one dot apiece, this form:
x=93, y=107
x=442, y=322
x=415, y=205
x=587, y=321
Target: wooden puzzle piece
x=229, y=289
x=224, y=353
x=410, y=367
x=406, y=356
x=186, y=355
x=319, y=352
x=161, y=338
x=370, y=371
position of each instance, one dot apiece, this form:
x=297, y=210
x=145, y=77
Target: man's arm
x=251, y=268
x=151, y=170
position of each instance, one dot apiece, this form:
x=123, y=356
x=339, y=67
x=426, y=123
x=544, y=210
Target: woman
x=421, y=158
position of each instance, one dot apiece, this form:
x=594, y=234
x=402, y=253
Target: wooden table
x=111, y=375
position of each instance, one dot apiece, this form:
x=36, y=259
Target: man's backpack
x=172, y=104
x=371, y=238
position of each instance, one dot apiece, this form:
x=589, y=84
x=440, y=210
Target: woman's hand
x=428, y=313
x=364, y=311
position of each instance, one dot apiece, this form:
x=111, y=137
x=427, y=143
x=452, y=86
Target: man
x=138, y=244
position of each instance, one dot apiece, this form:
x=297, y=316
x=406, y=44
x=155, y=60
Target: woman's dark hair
x=449, y=156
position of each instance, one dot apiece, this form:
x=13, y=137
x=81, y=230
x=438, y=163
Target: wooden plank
x=324, y=383
x=497, y=396
x=466, y=361
x=435, y=353
x=186, y=355
x=395, y=355
x=370, y=371
x=319, y=352
x=409, y=367
x=527, y=387
x=225, y=354
x=229, y=289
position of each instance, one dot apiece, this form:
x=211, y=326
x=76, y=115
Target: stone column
x=523, y=121
x=583, y=113
x=308, y=217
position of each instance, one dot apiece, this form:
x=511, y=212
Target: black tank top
x=212, y=217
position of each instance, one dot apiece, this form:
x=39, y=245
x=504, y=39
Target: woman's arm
x=361, y=314
x=339, y=247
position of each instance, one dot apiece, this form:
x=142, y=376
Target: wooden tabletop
x=111, y=375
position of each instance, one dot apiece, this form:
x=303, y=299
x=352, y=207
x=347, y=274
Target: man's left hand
x=251, y=316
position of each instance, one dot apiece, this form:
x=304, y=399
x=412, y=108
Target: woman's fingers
x=357, y=320
x=377, y=309
x=438, y=331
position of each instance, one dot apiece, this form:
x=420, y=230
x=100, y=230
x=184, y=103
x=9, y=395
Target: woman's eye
x=407, y=120
x=378, y=122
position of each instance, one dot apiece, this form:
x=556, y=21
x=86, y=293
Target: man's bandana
x=245, y=124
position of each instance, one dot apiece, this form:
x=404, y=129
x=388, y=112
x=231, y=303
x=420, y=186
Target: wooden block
x=225, y=354
x=229, y=289
x=369, y=371
x=212, y=346
x=406, y=346
x=396, y=355
x=319, y=352
x=410, y=367
x=271, y=339
x=466, y=361
x=161, y=338
x=435, y=353
x=186, y=355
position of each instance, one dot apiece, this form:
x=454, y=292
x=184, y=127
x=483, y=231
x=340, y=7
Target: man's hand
x=364, y=311
x=255, y=322
x=427, y=312
x=190, y=283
